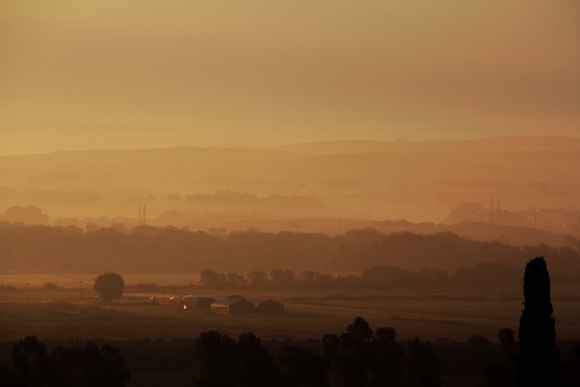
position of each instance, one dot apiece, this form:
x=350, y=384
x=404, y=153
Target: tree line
x=376, y=277
x=358, y=357
x=90, y=366
x=168, y=249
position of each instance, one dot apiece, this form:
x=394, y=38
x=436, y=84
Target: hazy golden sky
x=280, y=71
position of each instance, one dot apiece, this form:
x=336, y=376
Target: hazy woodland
x=293, y=187
x=381, y=172
x=428, y=238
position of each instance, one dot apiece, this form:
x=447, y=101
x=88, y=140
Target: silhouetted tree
x=257, y=367
x=71, y=364
x=387, y=362
x=31, y=363
x=110, y=286
x=364, y=358
x=350, y=353
x=212, y=279
x=423, y=367
x=479, y=352
x=223, y=362
x=303, y=368
x=502, y=374
x=539, y=361
x=507, y=343
x=101, y=367
x=257, y=278
x=235, y=280
x=216, y=360
x=32, y=366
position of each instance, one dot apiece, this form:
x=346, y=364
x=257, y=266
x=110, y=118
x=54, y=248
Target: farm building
x=233, y=305
x=199, y=302
x=268, y=306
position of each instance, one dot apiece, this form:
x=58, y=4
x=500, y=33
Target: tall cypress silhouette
x=539, y=363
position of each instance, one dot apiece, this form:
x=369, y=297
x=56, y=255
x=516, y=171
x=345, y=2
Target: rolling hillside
x=416, y=181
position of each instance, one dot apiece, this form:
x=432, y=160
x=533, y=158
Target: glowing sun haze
x=274, y=72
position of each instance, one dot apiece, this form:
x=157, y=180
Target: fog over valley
x=370, y=181
x=277, y=193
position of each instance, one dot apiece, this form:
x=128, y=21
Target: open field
x=156, y=340
x=430, y=314
x=72, y=280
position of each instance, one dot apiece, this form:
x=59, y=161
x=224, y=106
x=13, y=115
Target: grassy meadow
x=156, y=340
x=436, y=315
x=72, y=280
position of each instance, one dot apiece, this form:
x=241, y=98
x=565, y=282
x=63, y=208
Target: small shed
x=268, y=306
x=197, y=302
x=232, y=305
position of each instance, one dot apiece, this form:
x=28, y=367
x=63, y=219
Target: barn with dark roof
x=197, y=302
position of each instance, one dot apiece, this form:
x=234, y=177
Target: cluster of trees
x=358, y=357
x=152, y=249
x=366, y=358
x=500, y=373
x=377, y=277
x=90, y=366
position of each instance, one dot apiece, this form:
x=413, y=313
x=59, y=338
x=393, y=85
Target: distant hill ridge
x=507, y=143
x=493, y=144
x=355, y=179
